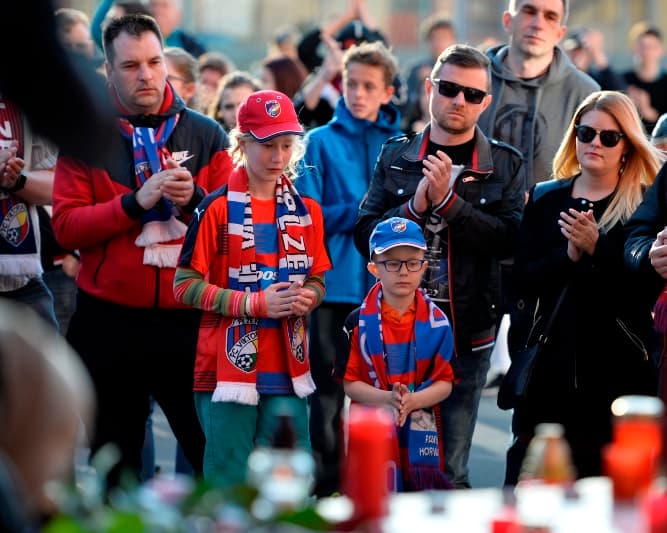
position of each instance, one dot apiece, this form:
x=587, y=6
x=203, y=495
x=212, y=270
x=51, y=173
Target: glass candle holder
x=637, y=422
x=629, y=467
x=366, y=464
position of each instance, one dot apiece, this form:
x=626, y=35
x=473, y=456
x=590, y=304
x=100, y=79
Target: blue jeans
x=63, y=288
x=37, y=296
x=233, y=430
x=459, y=413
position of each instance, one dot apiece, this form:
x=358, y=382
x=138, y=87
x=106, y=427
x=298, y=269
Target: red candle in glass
x=370, y=430
x=631, y=469
x=638, y=423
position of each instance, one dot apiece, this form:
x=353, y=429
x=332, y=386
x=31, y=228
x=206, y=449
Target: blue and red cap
x=395, y=232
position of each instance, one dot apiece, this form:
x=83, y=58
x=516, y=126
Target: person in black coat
x=601, y=344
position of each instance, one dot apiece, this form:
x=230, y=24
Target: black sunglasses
x=450, y=90
x=608, y=138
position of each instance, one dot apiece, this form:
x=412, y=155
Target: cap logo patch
x=398, y=226
x=272, y=108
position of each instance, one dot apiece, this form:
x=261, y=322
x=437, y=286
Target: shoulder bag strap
x=547, y=328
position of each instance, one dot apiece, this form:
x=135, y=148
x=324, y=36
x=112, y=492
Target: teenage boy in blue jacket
x=338, y=167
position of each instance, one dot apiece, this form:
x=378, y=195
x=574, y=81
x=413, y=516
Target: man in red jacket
x=127, y=217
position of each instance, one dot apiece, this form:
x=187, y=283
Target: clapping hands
x=581, y=231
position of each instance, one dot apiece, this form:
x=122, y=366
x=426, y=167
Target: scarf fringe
x=20, y=265
x=660, y=310
x=303, y=385
x=162, y=255
x=427, y=477
x=243, y=393
x=157, y=231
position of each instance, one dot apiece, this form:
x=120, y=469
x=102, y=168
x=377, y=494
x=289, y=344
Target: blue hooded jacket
x=336, y=172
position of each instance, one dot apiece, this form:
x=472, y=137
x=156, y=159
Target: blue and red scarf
x=236, y=373
x=420, y=460
x=159, y=224
x=19, y=225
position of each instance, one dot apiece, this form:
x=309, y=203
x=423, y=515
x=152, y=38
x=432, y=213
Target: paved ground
x=487, y=461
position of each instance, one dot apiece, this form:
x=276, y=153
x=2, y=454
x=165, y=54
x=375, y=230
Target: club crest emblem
x=273, y=108
x=398, y=226
x=297, y=339
x=16, y=225
x=242, y=344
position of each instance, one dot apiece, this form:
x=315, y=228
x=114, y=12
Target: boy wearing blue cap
x=400, y=344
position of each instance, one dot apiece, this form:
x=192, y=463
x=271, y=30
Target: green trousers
x=233, y=430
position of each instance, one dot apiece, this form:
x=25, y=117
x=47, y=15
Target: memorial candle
x=366, y=464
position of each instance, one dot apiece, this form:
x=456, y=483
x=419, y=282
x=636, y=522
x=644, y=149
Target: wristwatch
x=20, y=183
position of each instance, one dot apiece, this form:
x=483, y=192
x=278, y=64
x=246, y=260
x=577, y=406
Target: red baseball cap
x=267, y=114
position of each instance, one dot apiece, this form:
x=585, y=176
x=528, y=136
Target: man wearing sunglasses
x=536, y=87
x=466, y=192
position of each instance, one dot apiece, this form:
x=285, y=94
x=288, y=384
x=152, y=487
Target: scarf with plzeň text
x=236, y=373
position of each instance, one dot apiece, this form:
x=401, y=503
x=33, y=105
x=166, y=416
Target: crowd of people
x=330, y=223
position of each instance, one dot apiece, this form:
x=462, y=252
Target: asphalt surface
x=487, y=457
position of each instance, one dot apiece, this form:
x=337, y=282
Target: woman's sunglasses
x=451, y=89
x=608, y=138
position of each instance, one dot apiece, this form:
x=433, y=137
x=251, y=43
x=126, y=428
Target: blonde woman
x=601, y=342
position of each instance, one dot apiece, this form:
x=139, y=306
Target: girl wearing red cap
x=254, y=261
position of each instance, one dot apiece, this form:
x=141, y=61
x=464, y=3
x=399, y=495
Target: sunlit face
x=365, y=90
x=454, y=115
x=537, y=27
x=266, y=162
x=230, y=100
x=404, y=282
x=138, y=72
x=594, y=157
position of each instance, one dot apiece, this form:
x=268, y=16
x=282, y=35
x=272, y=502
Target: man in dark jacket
x=466, y=191
x=127, y=217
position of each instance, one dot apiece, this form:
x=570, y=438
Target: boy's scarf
x=421, y=455
x=159, y=225
x=19, y=228
x=237, y=371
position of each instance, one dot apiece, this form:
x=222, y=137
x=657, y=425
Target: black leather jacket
x=482, y=217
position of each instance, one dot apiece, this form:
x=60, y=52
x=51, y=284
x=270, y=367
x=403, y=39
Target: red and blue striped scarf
x=159, y=225
x=420, y=461
x=236, y=373
x=19, y=224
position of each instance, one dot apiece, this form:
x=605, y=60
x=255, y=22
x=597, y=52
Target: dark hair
x=356, y=32
x=288, y=74
x=134, y=24
x=462, y=55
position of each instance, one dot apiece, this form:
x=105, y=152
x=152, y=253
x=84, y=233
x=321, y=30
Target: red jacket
x=96, y=212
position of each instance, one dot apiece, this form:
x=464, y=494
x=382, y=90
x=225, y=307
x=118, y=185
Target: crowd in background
x=461, y=143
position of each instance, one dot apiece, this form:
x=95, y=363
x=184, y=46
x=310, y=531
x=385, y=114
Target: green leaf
x=63, y=524
x=125, y=523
